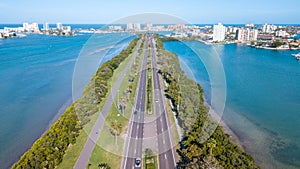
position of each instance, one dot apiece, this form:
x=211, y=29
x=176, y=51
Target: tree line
x=204, y=143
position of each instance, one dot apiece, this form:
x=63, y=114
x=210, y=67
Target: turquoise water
x=36, y=83
x=263, y=98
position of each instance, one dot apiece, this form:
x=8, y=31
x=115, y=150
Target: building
x=34, y=27
x=59, y=26
x=115, y=28
x=46, y=26
x=129, y=26
x=269, y=28
x=219, y=33
x=66, y=28
x=282, y=33
x=246, y=35
x=137, y=26
x=148, y=26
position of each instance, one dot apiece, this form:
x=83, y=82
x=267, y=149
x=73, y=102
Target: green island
x=193, y=118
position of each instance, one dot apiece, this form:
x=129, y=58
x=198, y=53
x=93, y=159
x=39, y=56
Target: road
x=134, y=139
x=166, y=156
x=88, y=148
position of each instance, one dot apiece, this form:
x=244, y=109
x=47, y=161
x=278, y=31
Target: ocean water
x=263, y=98
x=36, y=74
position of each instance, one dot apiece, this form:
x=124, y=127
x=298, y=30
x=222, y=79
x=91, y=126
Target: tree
x=103, y=166
x=211, y=144
x=116, y=129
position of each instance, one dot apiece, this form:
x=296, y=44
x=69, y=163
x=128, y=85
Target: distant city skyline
x=197, y=12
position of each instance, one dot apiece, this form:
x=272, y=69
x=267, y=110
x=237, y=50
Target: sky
x=193, y=11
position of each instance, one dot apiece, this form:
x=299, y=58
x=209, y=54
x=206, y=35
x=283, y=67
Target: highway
x=166, y=155
x=88, y=148
x=134, y=139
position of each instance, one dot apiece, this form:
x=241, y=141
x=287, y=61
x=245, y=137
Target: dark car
x=138, y=162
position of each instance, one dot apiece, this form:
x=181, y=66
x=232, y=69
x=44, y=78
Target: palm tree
x=116, y=129
x=103, y=166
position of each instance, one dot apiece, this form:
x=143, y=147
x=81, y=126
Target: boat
x=297, y=56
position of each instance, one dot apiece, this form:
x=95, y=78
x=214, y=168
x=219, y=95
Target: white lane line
x=160, y=120
x=162, y=129
x=165, y=156
x=164, y=141
x=138, y=126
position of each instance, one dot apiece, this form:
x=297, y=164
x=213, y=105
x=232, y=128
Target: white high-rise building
x=281, y=33
x=268, y=28
x=59, y=26
x=137, y=26
x=46, y=26
x=129, y=26
x=246, y=35
x=26, y=26
x=34, y=27
x=219, y=32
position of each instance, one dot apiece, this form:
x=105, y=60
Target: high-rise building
x=246, y=35
x=282, y=33
x=137, y=26
x=59, y=26
x=129, y=26
x=219, y=32
x=26, y=26
x=46, y=26
x=34, y=27
x=268, y=28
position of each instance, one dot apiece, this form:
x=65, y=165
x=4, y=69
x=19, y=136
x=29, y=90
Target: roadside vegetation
x=204, y=143
x=110, y=146
x=48, y=151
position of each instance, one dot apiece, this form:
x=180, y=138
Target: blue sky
x=196, y=11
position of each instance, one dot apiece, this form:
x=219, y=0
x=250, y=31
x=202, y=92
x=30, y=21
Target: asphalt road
x=166, y=156
x=133, y=144
x=88, y=148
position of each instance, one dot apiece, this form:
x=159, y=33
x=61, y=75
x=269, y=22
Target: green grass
x=106, y=151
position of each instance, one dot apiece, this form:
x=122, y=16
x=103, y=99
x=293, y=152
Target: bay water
x=263, y=97
x=36, y=83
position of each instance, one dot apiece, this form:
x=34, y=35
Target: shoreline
x=232, y=135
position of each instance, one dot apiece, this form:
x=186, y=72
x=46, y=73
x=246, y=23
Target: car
x=156, y=100
x=138, y=162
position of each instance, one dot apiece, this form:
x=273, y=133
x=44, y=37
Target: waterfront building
x=148, y=26
x=115, y=28
x=66, y=28
x=219, y=33
x=282, y=33
x=268, y=28
x=59, y=26
x=251, y=25
x=129, y=26
x=137, y=26
x=10, y=29
x=46, y=26
x=246, y=35
x=34, y=27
